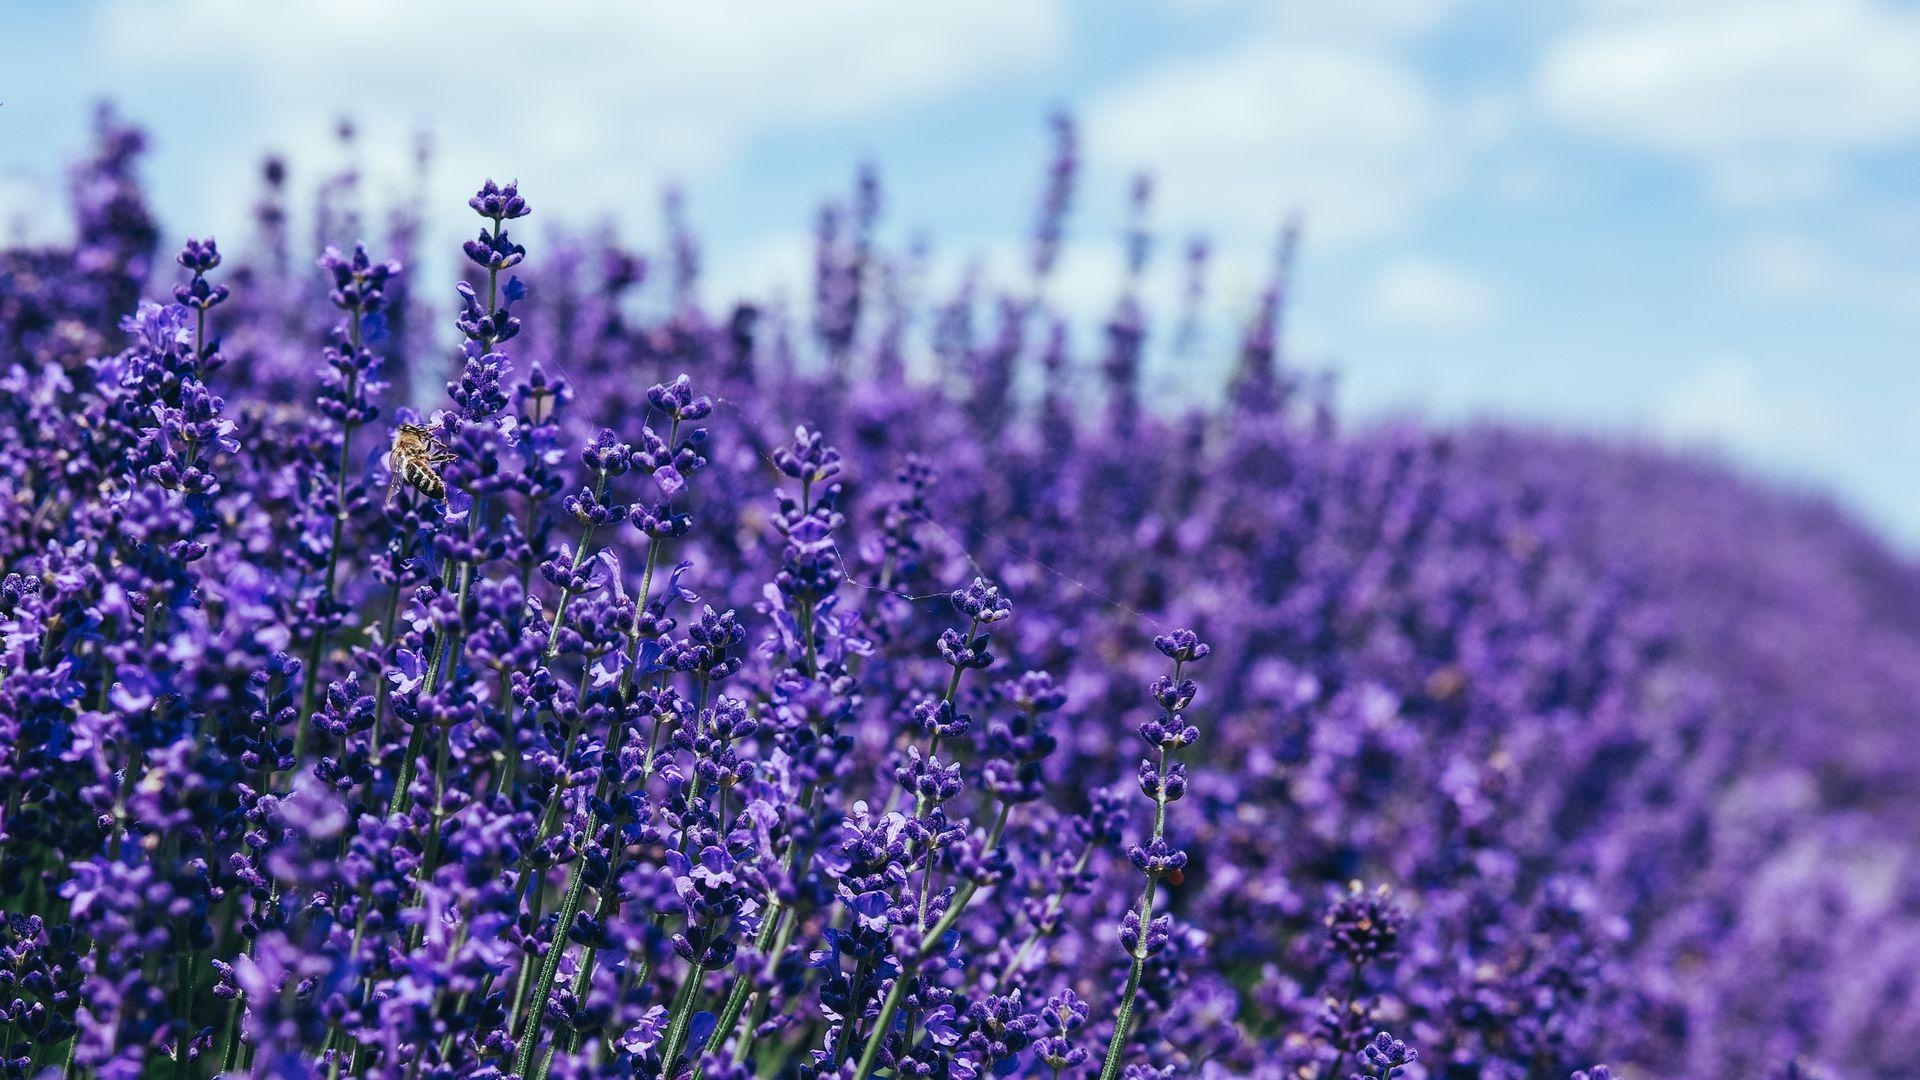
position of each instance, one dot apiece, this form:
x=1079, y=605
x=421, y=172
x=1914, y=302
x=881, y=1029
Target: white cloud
x=1368, y=19
x=1787, y=267
x=1351, y=136
x=1799, y=423
x=22, y=197
x=1762, y=179
x=1427, y=295
x=1906, y=296
x=777, y=268
x=1362, y=18
x=1720, y=404
x=1764, y=93
x=1726, y=403
x=591, y=101
x=1795, y=268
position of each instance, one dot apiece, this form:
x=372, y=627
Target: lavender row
x=900, y=689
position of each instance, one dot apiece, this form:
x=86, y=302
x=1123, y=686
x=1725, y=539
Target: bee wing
x=394, y=480
x=395, y=460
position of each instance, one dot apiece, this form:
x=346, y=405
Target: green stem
x=892, y=1003
x=1332, y=1068
x=311, y=685
x=730, y=1015
x=682, y=1015
x=185, y=975
x=549, y=820
x=1110, y=1070
x=416, y=741
x=458, y=638
x=231, y=1051
x=880, y=1025
x=1048, y=918
x=524, y=980
x=430, y=860
x=543, y=986
x=928, y=945
x=781, y=942
x=579, y=556
x=583, y=979
x=384, y=687
x=576, y=880
x=776, y=927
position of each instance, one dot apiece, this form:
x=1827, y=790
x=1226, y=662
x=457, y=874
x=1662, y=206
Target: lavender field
x=560, y=670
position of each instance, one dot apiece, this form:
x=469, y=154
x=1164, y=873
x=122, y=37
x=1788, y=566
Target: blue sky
x=1689, y=220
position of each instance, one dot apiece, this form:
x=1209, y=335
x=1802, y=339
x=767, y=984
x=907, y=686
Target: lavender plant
x=594, y=719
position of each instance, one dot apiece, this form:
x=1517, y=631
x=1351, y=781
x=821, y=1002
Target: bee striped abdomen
x=416, y=458
x=424, y=481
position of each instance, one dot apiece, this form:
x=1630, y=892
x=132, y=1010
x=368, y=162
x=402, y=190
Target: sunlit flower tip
x=607, y=454
x=1182, y=645
x=494, y=251
x=981, y=602
x=1385, y=1055
x=499, y=202
x=1364, y=926
x=808, y=457
x=199, y=256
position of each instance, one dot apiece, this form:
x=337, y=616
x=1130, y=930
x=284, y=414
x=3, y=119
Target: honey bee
x=416, y=458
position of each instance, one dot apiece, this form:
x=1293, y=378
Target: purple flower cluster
x=589, y=718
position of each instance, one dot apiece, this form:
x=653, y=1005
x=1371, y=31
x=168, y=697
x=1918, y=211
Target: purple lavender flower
x=1385, y=1057
x=295, y=780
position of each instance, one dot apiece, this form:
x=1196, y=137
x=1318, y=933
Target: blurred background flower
x=1687, y=220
